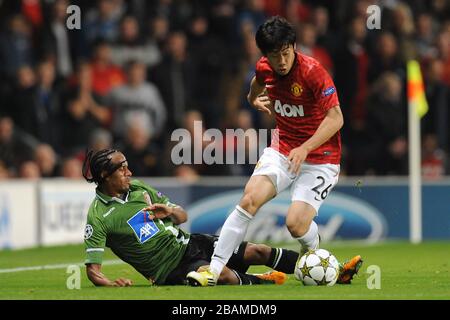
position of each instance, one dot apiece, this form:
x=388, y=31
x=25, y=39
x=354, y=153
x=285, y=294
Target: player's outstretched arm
x=96, y=276
x=258, y=98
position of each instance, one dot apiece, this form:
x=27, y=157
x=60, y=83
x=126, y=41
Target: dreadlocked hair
x=95, y=163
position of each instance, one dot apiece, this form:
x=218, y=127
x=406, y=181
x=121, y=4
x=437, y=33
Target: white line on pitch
x=56, y=266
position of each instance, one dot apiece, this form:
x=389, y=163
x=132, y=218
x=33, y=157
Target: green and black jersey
x=153, y=247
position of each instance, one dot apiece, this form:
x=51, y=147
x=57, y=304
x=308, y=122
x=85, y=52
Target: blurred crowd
x=137, y=70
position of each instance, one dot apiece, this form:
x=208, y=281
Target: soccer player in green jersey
x=140, y=225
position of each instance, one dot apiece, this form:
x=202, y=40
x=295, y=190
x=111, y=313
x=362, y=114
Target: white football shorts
x=312, y=185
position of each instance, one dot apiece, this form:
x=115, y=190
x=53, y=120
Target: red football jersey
x=301, y=100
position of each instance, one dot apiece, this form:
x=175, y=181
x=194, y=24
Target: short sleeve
x=94, y=240
x=164, y=199
x=323, y=88
x=262, y=71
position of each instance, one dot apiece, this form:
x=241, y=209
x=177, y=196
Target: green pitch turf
x=407, y=272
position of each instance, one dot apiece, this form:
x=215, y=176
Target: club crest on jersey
x=296, y=89
x=287, y=110
x=143, y=227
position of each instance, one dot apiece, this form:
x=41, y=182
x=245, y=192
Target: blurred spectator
x=440, y=10
x=4, y=173
x=424, y=38
x=403, y=30
x=82, y=88
x=78, y=119
x=16, y=47
x=325, y=37
x=57, y=42
x=243, y=121
x=38, y=108
x=296, y=11
x=145, y=156
x=82, y=114
x=47, y=110
x=100, y=139
x=29, y=170
x=351, y=74
x=437, y=93
x=175, y=77
x=32, y=10
x=433, y=159
x=175, y=11
x=197, y=140
x=223, y=21
x=103, y=21
x=306, y=43
x=21, y=96
x=236, y=87
x=186, y=173
x=71, y=168
x=443, y=47
x=137, y=98
x=207, y=55
x=386, y=58
x=47, y=160
x=15, y=146
x=250, y=17
x=159, y=30
x=105, y=75
x=132, y=46
x=387, y=116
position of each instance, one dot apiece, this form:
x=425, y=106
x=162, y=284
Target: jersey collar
x=107, y=199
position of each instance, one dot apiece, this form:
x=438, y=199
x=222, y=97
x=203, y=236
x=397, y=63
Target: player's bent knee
x=249, y=203
x=227, y=277
x=257, y=254
x=297, y=227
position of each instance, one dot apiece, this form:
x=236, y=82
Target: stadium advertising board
x=341, y=216
x=371, y=211
x=63, y=211
x=18, y=215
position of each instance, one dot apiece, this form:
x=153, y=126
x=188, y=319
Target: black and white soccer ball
x=317, y=268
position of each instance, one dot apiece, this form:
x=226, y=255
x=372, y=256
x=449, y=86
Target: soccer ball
x=317, y=268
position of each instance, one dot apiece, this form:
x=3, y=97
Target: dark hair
x=96, y=162
x=274, y=34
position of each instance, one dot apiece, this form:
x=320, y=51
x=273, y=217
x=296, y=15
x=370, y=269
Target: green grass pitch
x=407, y=272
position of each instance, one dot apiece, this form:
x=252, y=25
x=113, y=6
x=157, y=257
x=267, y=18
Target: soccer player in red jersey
x=305, y=151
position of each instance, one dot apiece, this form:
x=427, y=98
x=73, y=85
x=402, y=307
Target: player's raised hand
x=159, y=210
x=122, y=282
x=296, y=158
x=262, y=103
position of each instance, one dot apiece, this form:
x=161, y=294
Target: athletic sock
x=310, y=240
x=283, y=260
x=247, y=279
x=231, y=236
